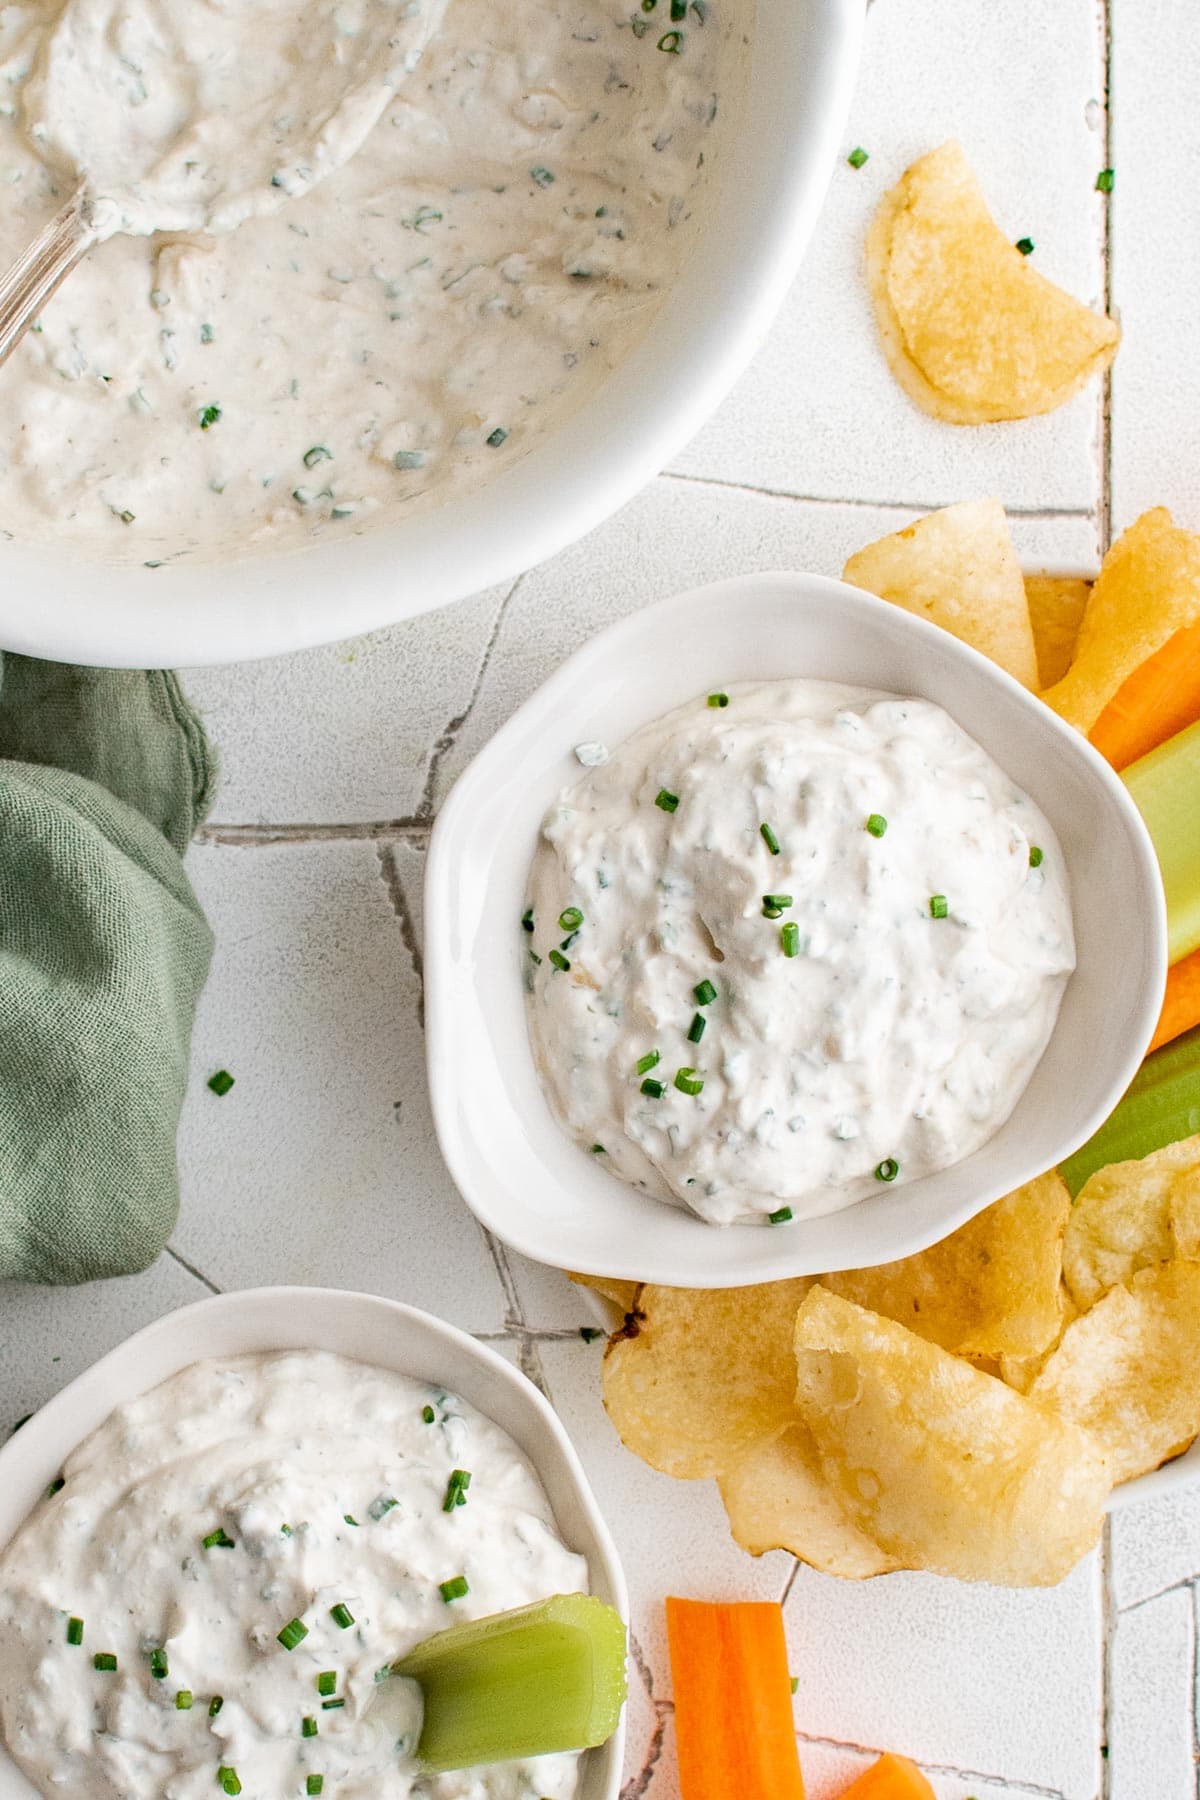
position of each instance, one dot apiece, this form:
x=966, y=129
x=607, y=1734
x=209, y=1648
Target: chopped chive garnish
x=317, y=454
x=286, y=1531
x=221, y=1082
x=74, y=1631
x=309, y=1726
x=704, y=993
x=769, y=839
x=349, y=1518
x=652, y=1089
x=718, y=699
x=599, y=1150
x=183, y=1700
x=1104, y=181
x=313, y=1784
x=534, y=957
x=428, y=1414
x=888, y=1169
x=227, y=1779
x=541, y=175
x=795, y=1684
x=384, y=1504
x=789, y=937
x=293, y=1633
x=670, y=42
x=104, y=1662
x=666, y=800
x=206, y=334
x=341, y=1616
x=876, y=824
x=774, y=904
x=159, y=1666
x=209, y=416
x=454, y=1589
x=938, y=909
x=215, y=1705
x=327, y=1681
x=780, y=1217
x=56, y=1486
x=1036, y=856
x=688, y=1082
x=570, y=941
x=527, y=919
x=332, y=1705
x=559, y=960
x=645, y=1063
x=1025, y=246
x=218, y=1540
x=456, y=1490
x=589, y=1333
x=570, y=919
x=858, y=156
x=678, y=10
x=497, y=437
x=696, y=1028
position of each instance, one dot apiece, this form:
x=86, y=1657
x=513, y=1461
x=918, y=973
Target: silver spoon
x=43, y=266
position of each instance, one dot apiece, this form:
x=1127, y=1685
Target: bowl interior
x=515, y=1166
x=367, y=1329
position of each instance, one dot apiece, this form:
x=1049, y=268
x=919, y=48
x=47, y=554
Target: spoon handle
x=46, y=262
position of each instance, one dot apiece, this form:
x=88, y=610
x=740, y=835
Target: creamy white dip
x=329, y=1481
x=398, y=334
x=882, y=985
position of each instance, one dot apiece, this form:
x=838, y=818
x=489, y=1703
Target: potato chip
x=990, y=1289
x=703, y=1374
x=1021, y=1372
x=1124, y=1219
x=622, y=1294
x=1126, y=1370
x=943, y=1467
x=1056, y=605
x=958, y=568
x=971, y=330
x=778, y=1499
x=1148, y=588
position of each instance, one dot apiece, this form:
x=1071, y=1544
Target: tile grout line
x=1109, y=1619
x=192, y=1270
x=1195, y=1708
x=446, y=740
x=1106, y=235
x=904, y=506
x=254, y=836
x=398, y=900
x=933, y=1768
x=1173, y=1587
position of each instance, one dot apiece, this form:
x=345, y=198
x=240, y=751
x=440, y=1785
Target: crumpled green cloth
x=104, y=776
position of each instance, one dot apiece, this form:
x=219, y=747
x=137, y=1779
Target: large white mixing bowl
x=771, y=184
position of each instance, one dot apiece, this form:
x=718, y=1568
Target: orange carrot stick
x=1160, y=698
x=891, y=1778
x=1181, y=1002
x=733, y=1701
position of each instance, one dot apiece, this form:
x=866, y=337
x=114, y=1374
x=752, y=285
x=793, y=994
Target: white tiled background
x=320, y=1166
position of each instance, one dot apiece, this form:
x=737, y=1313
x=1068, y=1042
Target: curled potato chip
x=958, y=568
x=1131, y=1215
x=971, y=330
x=990, y=1289
x=1056, y=606
x=945, y=1468
x=1126, y=1370
x=622, y=1294
x=778, y=1499
x=703, y=1374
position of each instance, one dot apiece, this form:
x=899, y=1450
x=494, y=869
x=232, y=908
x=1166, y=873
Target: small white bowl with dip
x=365, y=1329
x=510, y=1158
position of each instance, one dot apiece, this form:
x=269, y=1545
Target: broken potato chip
x=971, y=330
x=1131, y=1215
x=957, y=567
x=778, y=1499
x=1056, y=607
x=945, y=1468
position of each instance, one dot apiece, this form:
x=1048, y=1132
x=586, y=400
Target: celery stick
x=1160, y=1106
x=545, y=1677
x=1166, y=791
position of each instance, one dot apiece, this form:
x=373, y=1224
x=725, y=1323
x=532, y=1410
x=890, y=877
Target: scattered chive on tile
x=1104, y=181
x=769, y=839
x=1025, y=246
x=215, y=1705
x=309, y=1726
x=645, y=1063
x=589, y=1333
x=718, y=699
x=183, y=1700
x=858, y=156
x=327, y=1681
x=74, y=1631
x=217, y=1540
x=559, y=961
x=887, y=1170
x=221, y=1082
x=666, y=800
x=938, y=908
x=688, y=1082
x=780, y=1217
x=293, y=1633
x=341, y=1616
x=876, y=824
x=704, y=993
x=570, y=919
x=652, y=1089
x=696, y=1028
x=159, y=1665
x=1037, y=856
x=454, y=1589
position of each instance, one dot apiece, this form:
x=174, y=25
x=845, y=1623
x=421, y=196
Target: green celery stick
x=1166, y=791
x=1160, y=1106
x=545, y=1677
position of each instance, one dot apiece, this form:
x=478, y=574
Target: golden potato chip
x=958, y=568
x=971, y=330
x=944, y=1468
x=1056, y=604
x=1021, y=1372
x=990, y=1289
x=1148, y=588
x=1126, y=1370
x=778, y=1499
x=622, y=1294
x=703, y=1374
x=1124, y=1219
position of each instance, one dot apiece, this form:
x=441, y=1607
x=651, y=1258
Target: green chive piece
x=350, y=1519
x=56, y=1486
x=534, y=957
x=309, y=1726
x=652, y=1089
x=104, y=1662
x=543, y=176
x=645, y=1063
x=589, y=1333
x=780, y=1218
x=428, y=1414
x=696, y=1028
x=888, y=1169
x=704, y=993
x=718, y=699
x=379, y=1508
x=218, y=1540
x=497, y=437
x=570, y=941
x=286, y=1531
x=313, y=1784
x=678, y=11
x=183, y=1700
x=209, y=416
x=769, y=839
x=317, y=454
x=789, y=937
x=454, y=1589
x=772, y=912
x=327, y=1681
x=670, y=42
x=570, y=919
x=293, y=1633
x=688, y=1082
x=456, y=1490
x=332, y=1705
x=341, y=1616
x=227, y=1779
x=858, y=156
x=876, y=824
x=795, y=1684
x=74, y=1631
x=159, y=1666
x=774, y=904
x=666, y=800
x=938, y=908
x=527, y=919
x=206, y=334
x=215, y=1705
x=1104, y=181
x=1037, y=856
x=599, y=1150
x=221, y=1082
x=559, y=960
x=1025, y=246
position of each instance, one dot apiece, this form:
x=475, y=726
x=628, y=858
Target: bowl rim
x=449, y=989
x=32, y=1457
x=804, y=62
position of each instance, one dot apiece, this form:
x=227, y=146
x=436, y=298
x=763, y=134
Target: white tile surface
x=1155, y=1546
x=1150, y=1721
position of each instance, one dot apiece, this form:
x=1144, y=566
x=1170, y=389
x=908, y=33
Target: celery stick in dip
x=823, y=943
x=232, y=1561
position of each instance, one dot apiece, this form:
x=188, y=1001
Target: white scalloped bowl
x=519, y=1172
x=368, y=1329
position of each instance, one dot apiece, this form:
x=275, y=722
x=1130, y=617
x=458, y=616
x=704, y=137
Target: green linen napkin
x=104, y=775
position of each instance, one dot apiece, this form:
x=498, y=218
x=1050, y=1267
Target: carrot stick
x=733, y=1701
x=891, y=1778
x=1181, y=1002
x=1158, y=700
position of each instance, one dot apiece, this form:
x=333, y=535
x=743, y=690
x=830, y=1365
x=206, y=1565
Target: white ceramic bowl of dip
x=367, y=1329
x=774, y=174
x=520, y=1173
